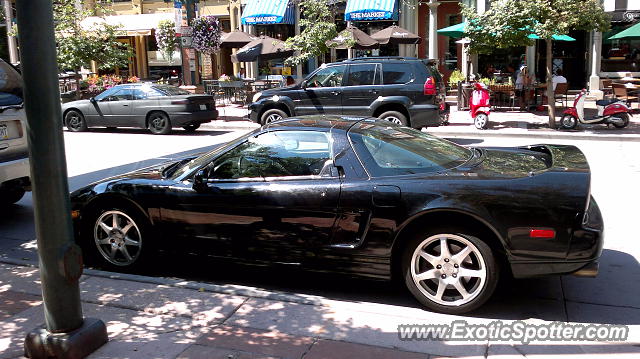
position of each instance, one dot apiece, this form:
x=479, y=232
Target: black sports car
x=359, y=196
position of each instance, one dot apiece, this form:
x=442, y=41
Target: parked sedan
x=158, y=108
x=357, y=196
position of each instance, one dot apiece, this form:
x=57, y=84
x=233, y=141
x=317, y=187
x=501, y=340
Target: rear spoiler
x=563, y=157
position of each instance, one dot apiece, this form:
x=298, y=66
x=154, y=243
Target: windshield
x=203, y=160
x=171, y=90
x=391, y=150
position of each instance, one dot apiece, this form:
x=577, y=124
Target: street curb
x=559, y=136
x=235, y=290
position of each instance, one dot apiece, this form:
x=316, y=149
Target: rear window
x=396, y=74
x=171, y=90
x=391, y=150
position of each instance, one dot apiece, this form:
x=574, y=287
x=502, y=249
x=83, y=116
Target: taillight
x=180, y=102
x=542, y=233
x=430, y=86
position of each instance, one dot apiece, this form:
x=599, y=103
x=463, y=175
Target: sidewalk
x=502, y=123
x=150, y=317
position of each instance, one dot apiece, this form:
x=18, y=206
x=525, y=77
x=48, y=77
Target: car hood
x=76, y=103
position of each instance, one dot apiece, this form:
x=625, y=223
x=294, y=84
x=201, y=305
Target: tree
x=318, y=27
x=508, y=23
x=78, y=45
x=166, y=38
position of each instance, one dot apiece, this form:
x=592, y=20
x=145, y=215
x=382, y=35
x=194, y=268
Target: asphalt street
x=613, y=297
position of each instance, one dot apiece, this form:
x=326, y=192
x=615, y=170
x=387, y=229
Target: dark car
x=403, y=90
x=158, y=108
x=357, y=196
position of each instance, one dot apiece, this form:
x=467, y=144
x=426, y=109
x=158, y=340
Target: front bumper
x=179, y=119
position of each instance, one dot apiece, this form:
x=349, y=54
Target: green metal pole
x=60, y=257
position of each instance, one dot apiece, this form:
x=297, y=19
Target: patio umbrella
x=363, y=41
x=453, y=30
x=263, y=48
x=235, y=39
x=633, y=31
x=554, y=37
x=396, y=35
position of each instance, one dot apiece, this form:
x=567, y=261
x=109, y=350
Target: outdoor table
x=231, y=89
x=501, y=90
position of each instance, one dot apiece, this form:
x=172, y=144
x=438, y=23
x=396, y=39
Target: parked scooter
x=479, y=106
x=614, y=111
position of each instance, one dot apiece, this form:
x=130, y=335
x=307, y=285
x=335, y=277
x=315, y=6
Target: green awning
x=633, y=31
x=453, y=30
x=554, y=37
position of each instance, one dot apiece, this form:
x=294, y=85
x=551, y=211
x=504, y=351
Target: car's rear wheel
x=117, y=237
x=159, y=123
x=191, y=128
x=11, y=195
x=273, y=115
x=394, y=117
x=75, y=121
x=449, y=271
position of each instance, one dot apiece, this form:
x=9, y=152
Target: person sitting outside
x=558, y=78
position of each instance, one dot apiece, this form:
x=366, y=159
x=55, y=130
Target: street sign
x=186, y=41
x=186, y=31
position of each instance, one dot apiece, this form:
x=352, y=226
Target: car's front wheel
x=117, y=237
x=449, y=271
x=159, y=123
x=75, y=121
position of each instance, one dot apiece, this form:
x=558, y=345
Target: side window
x=105, y=94
x=123, y=94
x=328, y=77
x=396, y=74
x=363, y=74
x=275, y=154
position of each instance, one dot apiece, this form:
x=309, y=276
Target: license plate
x=4, y=132
x=203, y=107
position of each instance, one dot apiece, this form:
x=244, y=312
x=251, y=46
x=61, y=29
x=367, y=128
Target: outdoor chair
x=607, y=90
x=560, y=93
x=622, y=92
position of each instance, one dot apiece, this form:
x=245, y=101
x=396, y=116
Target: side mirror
x=92, y=100
x=303, y=85
x=199, y=180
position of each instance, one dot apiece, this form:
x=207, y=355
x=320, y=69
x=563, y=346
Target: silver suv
x=14, y=153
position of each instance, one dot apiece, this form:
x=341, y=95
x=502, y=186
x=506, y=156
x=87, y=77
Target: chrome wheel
x=272, y=118
x=394, y=119
x=75, y=121
x=117, y=238
x=448, y=269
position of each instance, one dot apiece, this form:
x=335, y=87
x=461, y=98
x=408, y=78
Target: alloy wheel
x=394, y=119
x=117, y=238
x=448, y=269
x=158, y=122
x=273, y=118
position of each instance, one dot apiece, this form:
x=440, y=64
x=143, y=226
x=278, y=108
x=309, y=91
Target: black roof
x=319, y=121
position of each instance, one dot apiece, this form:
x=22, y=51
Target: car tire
x=11, y=195
x=116, y=247
x=159, y=123
x=75, y=121
x=191, y=128
x=437, y=279
x=568, y=122
x=272, y=115
x=394, y=117
x=625, y=121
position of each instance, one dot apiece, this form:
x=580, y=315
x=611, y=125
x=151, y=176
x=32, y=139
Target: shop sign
x=368, y=15
x=631, y=16
x=262, y=19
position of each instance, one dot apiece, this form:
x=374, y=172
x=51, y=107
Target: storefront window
x=620, y=55
x=451, y=56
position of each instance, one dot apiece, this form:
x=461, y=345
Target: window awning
x=365, y=10
x=259, y=12
x=129, y=25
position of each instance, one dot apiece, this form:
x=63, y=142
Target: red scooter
x=479, y=106
x=614, y=111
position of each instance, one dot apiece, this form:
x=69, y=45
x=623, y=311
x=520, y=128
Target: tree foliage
x=317, y=28
x=508, y=23
x=78, y=45
x=166, y=38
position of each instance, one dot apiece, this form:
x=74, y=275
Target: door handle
x=125, y=105
x=335, y=93
x=375, y=92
